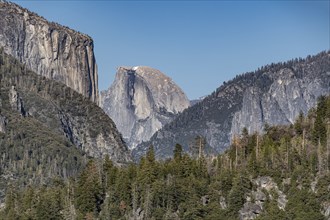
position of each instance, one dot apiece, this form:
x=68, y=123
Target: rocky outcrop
x=16, y=101
x=254, y=205
x=3, y=124
x=274, y=95
x=325, y=210
x=249, y=211
x=269, y=185
x=140, y=101
x=49, y=49
x=205, y=200
x=222, y=202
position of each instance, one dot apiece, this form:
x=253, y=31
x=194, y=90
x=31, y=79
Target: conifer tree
x=177, y=153
x=89, y=190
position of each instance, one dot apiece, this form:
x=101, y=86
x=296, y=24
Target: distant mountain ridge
x=140, y=101
x=274, y=94
x=195, y=101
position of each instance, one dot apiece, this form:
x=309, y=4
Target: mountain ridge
x=213, y=117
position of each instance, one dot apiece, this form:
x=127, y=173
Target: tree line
x=186, y=187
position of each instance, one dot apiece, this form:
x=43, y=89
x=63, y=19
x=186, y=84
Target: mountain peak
x=141, y=100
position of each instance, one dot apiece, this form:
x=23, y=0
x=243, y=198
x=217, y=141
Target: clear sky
x=199, y=44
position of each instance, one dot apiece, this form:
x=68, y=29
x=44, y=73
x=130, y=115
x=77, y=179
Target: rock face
x=140, y=101
x=16, y=101
x=274, y=94
x=49, y=49
x=326, y=210
x=3, y=124
x=254, y=205
x=288, y=95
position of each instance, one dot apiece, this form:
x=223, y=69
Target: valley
x=257, y=147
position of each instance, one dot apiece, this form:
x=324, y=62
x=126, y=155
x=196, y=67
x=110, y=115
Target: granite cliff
x=140, y=101
x=274, y=95
x=49, y=49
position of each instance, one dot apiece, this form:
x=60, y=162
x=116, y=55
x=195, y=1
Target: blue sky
x=199, y=44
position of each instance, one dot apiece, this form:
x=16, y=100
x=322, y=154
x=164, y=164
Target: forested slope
x=283, y=174
x=48, y=130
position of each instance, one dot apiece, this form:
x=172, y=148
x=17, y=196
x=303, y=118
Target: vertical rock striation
x=140, y=101
x=288, y=95
x=49, y=49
